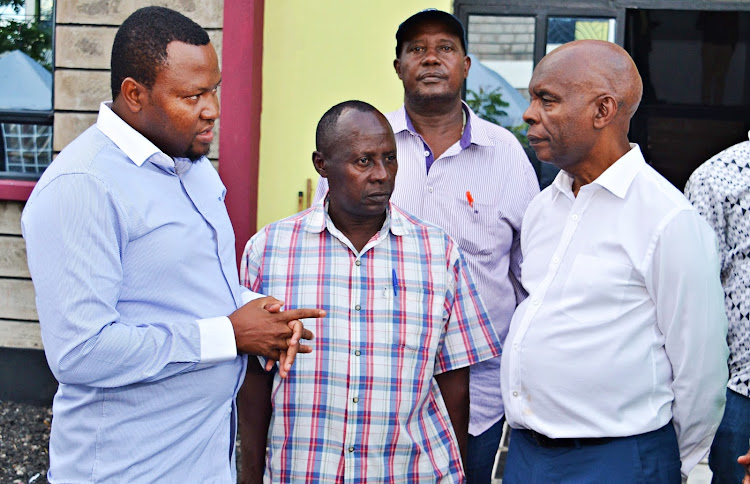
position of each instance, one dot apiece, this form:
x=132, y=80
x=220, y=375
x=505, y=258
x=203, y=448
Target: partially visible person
x=744, y=460
x=615, y=365
x=469, y=177
x=385, y=396
x=720, y=190
x=132, y=257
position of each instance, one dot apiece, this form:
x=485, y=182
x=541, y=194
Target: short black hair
x=140, y=47
x=326, y=130
x=452, y=25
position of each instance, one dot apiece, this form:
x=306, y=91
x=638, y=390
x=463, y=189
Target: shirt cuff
x=248, y=296
x=217, y=340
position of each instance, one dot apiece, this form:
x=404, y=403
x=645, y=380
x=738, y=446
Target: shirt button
x=355, y=399
x=351, y=449
x=556, y=260
x=357, y=262
x=515, y=346
x=427, y=153
x=535, y=302
x=429, y=189
x=357, y=307
x=515, y=394
x=574, y=216
x=357, y=353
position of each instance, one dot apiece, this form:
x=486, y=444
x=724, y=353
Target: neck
x=359, y=230
x=440, y=125
x=437, y=115
x=589, y=169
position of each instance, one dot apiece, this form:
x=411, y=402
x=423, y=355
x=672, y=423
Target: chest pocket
x=475, y=227
x=414, y=317
x=595, y=288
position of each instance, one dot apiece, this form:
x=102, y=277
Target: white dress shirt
x=624, y=327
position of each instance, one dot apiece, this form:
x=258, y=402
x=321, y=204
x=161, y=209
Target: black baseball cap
x=452, y=24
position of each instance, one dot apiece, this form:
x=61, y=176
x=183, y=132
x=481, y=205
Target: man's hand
x=261, y=328
x=745, y=461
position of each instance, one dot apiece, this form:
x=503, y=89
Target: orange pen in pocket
x=470, y=199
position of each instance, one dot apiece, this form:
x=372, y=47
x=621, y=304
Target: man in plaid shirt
x=385, y=395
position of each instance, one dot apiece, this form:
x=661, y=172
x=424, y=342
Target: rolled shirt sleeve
x=469, y=337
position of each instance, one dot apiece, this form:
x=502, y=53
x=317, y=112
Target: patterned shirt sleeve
x=704, y=196
x=252, y=260
x=469, y=338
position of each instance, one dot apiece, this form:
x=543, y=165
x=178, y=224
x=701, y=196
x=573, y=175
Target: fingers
x=272, y=305
x=291, y=354
x=303, y=313
x=304, y=334
x=297, y=328
x=283, y=370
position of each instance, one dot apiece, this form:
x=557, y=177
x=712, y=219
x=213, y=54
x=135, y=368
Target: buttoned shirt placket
x=357, y=351
x=577, y=209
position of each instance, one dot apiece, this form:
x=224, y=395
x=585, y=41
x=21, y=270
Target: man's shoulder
x=657, y=193
x=285, y=227
x=397, y=119
x=726, y=168
x=83, y=156
x=411, y=224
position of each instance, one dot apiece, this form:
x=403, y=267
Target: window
x=25, y=87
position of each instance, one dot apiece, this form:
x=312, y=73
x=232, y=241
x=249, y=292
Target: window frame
x=18, y=187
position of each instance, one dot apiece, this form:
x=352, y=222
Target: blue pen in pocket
x=395, y=283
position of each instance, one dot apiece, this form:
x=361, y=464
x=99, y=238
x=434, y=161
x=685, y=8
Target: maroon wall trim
x=16, y=189
x=241, y=89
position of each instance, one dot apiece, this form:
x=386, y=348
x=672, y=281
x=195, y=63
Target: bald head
x=583, y=95
x=600, y=68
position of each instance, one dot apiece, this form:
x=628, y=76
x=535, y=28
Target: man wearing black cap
x=473, y=179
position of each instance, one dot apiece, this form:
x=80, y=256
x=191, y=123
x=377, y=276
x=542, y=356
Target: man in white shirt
x=615, y=365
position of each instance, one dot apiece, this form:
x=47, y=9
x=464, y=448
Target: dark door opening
x=695, y=67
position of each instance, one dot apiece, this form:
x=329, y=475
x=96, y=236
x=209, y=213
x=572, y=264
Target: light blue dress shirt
x=132, y=258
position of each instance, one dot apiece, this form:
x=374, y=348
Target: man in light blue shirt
x=132, y=256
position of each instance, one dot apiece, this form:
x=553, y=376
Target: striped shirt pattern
x=489, y=164
x=364, y=406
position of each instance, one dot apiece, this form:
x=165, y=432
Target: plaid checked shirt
x=364, y=406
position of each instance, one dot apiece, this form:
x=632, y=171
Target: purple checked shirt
x=477, y=191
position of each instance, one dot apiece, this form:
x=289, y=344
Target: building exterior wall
x=315, y=55
x=18, y=328
x=501, y=38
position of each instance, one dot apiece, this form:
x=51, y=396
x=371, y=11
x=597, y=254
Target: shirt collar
x=318, y=219
x=616, y=179
x=474, y=132
x=135, y=146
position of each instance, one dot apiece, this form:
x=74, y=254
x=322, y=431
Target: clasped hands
x=262, y=328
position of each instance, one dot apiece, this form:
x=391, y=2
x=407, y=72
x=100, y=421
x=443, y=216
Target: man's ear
x=133, y=94
x=397, y=67
x=467, y=66
x=319, y=162
x=606, y=110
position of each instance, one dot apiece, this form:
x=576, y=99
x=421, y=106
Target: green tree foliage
x=33, y=37
x=489, y=105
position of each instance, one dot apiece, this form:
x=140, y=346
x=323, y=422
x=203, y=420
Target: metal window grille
x=28, y=147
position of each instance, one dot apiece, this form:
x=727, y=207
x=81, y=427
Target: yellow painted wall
x=317, y=53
